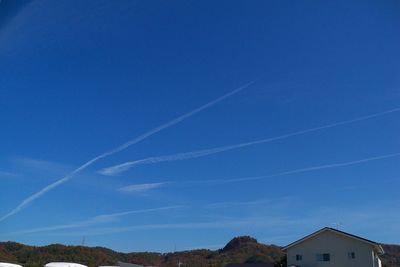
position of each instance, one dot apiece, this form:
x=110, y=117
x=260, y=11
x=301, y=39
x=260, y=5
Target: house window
x=352, y=255
x=323, y=257
x=299, y=257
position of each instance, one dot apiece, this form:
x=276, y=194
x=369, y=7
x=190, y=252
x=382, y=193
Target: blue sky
x=263, y=118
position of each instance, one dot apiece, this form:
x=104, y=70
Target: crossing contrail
x=136, y=140
x=114, y=170
x=110, y=217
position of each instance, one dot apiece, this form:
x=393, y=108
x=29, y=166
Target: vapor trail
x=114, y=170
x=136, y=140
x=295, y=171
x=99, y=219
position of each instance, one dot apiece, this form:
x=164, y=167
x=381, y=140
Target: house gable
x=376, y=247
x=330, y=247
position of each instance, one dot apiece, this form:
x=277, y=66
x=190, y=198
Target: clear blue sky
x=80, y=78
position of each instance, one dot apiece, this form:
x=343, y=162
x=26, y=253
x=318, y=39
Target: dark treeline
x=238, y=250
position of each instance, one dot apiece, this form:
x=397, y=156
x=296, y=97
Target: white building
x=333, y=248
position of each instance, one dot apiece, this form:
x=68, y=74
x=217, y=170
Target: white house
x=333, y=248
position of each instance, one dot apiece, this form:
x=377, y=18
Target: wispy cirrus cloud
x=45, y=168
x=7, y=174
x=96, y=220
x=29, y=167
x=40, y=164
x=300, y=170
x=29, y=200
x=141, y=188
x=284, y=173
x=138, y=188
x=234, y=204
x=120, y=168
x=232, y=223
x=271, y=204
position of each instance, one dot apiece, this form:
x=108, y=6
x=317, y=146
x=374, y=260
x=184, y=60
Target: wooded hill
x=239, y=250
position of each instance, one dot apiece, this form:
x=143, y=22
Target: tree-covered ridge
x=239, y=250
x=391, y=258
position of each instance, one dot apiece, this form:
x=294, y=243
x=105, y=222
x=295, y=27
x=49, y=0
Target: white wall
x=337, y=246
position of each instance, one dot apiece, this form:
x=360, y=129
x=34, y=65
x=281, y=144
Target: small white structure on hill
x=333, y=248
x=6, y=264
x=64, y=264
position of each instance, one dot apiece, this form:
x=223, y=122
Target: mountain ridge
x=242, y=249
